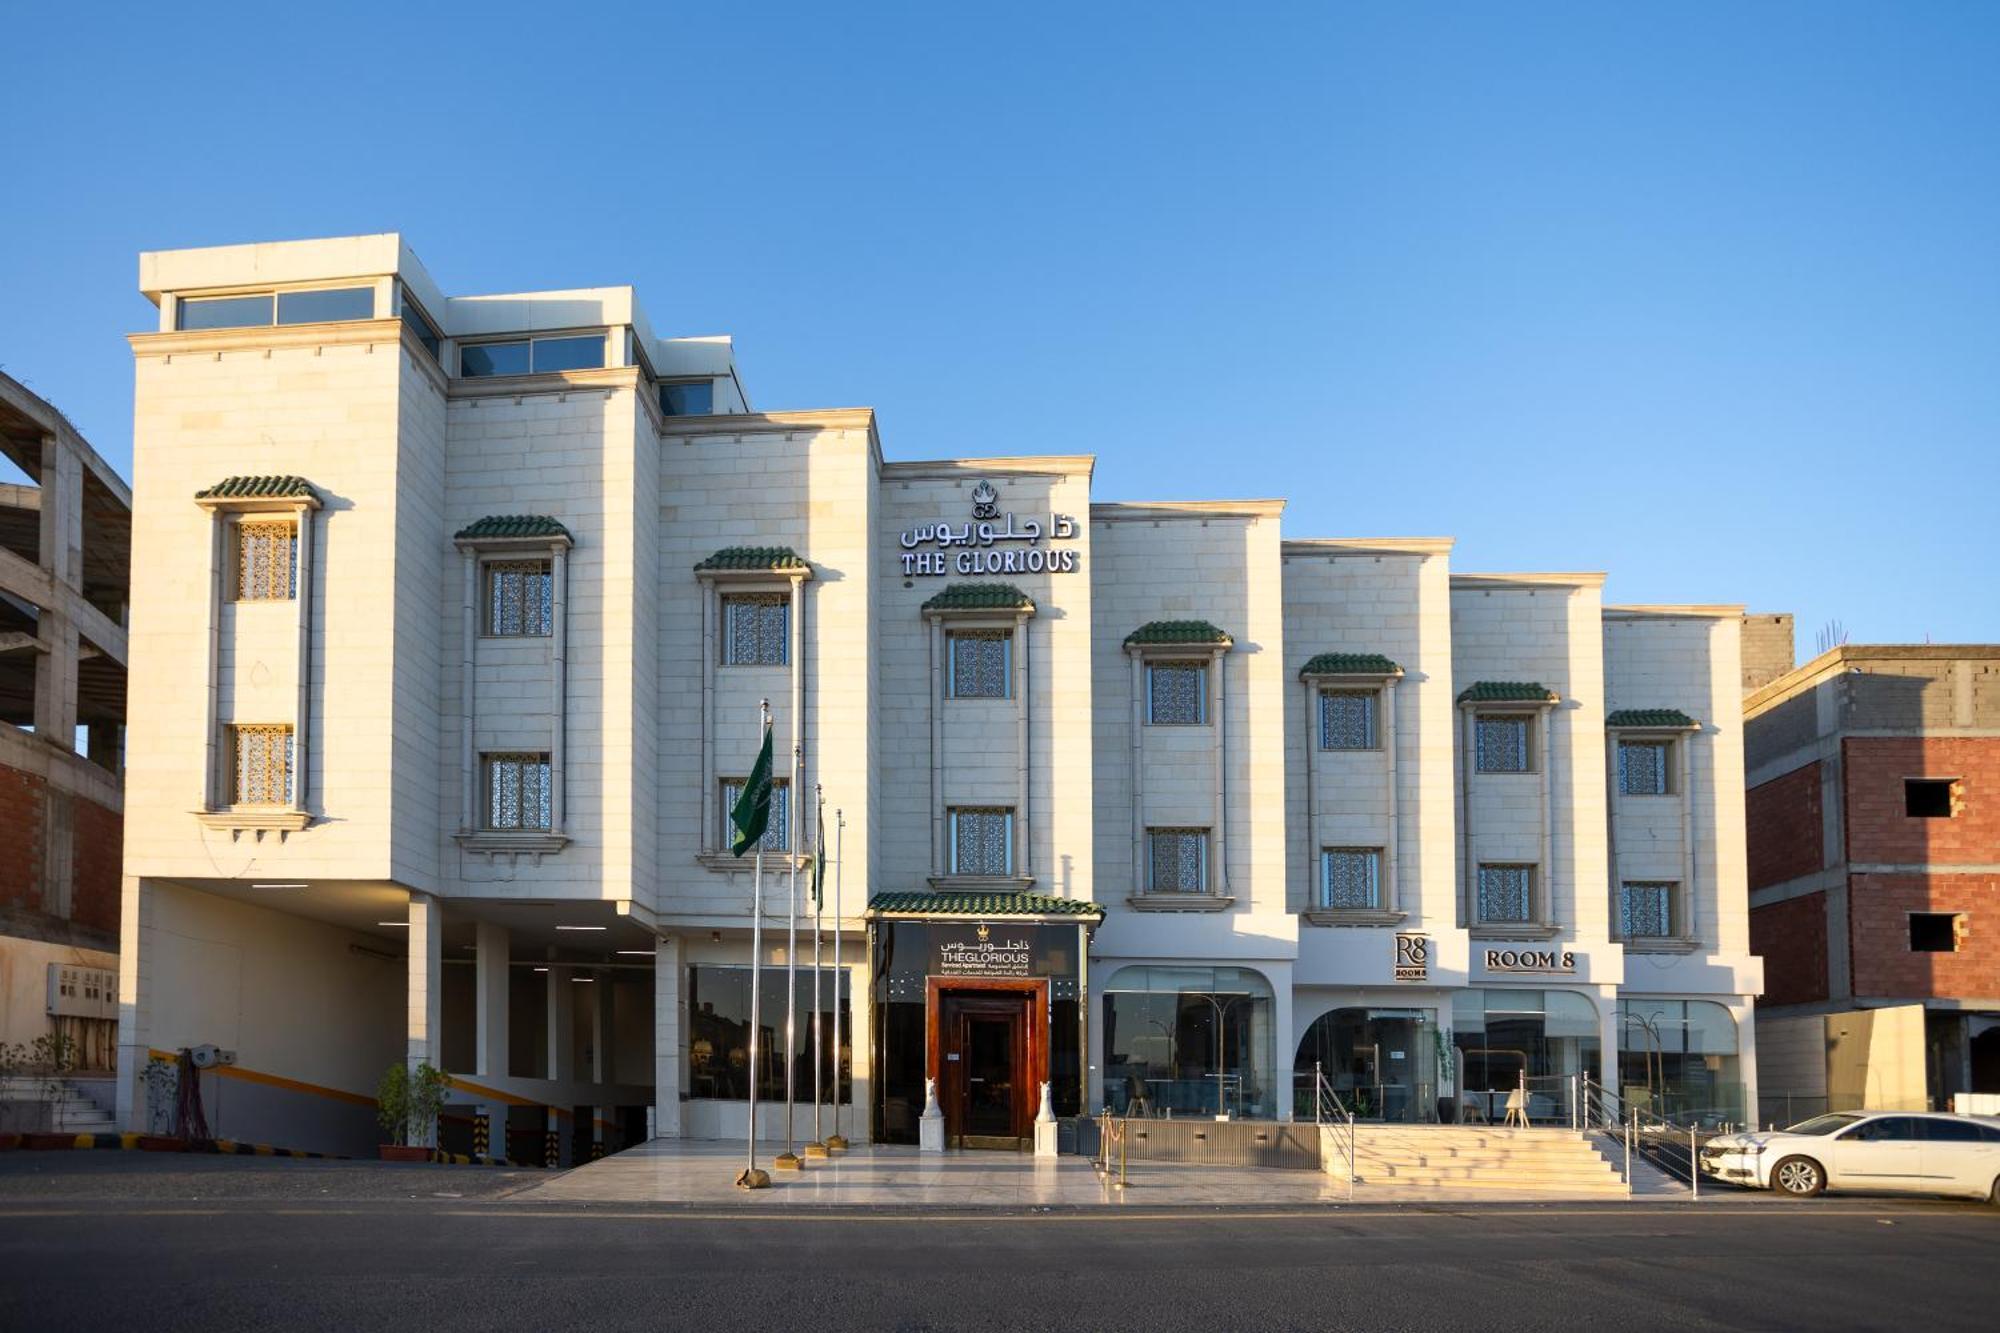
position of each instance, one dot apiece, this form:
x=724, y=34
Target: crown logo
x=985, y=500
x=985, y=931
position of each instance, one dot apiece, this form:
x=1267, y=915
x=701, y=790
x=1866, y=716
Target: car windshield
x=1823, y=1124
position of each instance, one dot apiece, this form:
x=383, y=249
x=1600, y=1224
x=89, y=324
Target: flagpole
x=834, y=1141
x=817, y=1148
x=752, y=1178
x=788, y=1160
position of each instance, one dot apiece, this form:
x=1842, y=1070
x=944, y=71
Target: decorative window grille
x=1646, y=909
x=754, y=629
x=778, y=833
x=1501, y=744
x=1506, y=893
x=1350, y=877
x=1347, y=719
x=518, y=791
x=1642, y=768
x=1176, y=693
x=267, y=552
x=260, y=765
x=520, y=598
x=1179, y=860
x=979, y=661
x=982, y=841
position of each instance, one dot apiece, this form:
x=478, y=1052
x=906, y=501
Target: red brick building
x=65, y=561
x=1873, y=794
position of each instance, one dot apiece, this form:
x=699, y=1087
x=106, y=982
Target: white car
x=1865, y=1150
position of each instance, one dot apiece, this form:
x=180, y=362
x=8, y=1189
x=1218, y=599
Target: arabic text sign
x=997, y=956
x=982, y=547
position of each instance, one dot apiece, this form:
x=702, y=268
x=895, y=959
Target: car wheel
x=1800, y=1177
x=1994, y=1197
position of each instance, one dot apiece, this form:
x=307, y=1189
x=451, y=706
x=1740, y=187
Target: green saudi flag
x=819, y=858
x=752, y=813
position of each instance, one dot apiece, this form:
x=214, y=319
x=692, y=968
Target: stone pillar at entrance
x=666, y=1117
x=426, y=990
x=491, y=985
x=135, y=1000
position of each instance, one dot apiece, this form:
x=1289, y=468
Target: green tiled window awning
x=1658, y=719
x=977, y=903
x=1508, y=692
x=260, y=488
x=1192, y=632
x=1350, y=664
x=981, y=597
x=751, y=559
x=498, y=527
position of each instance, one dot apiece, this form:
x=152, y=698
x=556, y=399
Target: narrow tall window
x=260, y=765
x=778, y=833
x=267, y=559
x=520, y=598
x=1506, y=893
x=1643, y=768
x=518, y=791
x=1501, y=743
x=1178, y=860
x=982, y=841
x=1350, y=877
x=754, y=627
x=1347, y=719
x=1176, y=693
x=979, y=662
x=1646, y=909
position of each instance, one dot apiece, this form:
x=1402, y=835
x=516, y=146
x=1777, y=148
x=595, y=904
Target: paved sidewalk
x=702, y=1172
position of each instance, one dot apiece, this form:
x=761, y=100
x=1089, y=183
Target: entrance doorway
x=988, y=1048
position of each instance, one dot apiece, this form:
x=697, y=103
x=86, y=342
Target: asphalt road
x=221, y=1244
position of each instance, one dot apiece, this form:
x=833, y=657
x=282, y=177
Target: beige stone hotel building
x=451, y=616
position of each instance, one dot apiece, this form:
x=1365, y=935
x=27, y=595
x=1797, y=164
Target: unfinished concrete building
x=65, y=566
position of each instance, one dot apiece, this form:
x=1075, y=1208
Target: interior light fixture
x=541, y=969
x=582, y=927
x=280, y=886
x=399, y=925
x=583, y=978
x=637, y=953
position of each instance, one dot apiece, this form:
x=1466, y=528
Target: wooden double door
x=991, y=1053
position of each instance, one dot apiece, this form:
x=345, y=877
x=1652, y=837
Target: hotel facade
x=452, y=618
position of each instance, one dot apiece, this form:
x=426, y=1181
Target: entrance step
x=1448, y=1157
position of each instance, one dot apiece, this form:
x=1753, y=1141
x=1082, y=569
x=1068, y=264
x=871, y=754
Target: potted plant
x=53, y=1056
x=407, y=1102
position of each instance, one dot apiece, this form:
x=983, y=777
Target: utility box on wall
x=82, y=992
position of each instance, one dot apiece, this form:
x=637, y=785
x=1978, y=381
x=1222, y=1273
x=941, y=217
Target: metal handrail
x=1329, y=1112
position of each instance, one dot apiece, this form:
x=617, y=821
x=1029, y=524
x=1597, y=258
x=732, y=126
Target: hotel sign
x=1543, y=961
x=985, y=952
x=991, y=543
x=1413, y=957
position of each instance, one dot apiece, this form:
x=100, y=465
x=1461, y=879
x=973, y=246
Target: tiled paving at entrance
x=703, y=1172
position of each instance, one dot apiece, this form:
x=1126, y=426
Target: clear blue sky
x=1701, y=294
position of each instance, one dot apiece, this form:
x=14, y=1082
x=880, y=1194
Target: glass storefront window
x=1381, y=1063
x=1502, y=1037
x=718, y=1058
x=1677, y=1058
x=1189, y=1041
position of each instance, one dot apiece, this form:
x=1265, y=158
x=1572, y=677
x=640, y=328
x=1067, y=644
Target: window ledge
x=257, y=820
x=1526, y=930
x=533, y=843
x=1353, y=916
x=1651, y=944
x=1180, y=902
x=777, y=860
x=981, y=883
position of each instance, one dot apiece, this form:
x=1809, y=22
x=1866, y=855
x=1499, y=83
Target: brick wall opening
x=1934, y=932
x=1927, y=798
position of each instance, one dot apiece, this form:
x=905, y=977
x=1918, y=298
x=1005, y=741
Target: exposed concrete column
x=667, y=1039
x=1282, y=1001
x=602, y=1069
x=1609, y=1033
x=426, y=972
x=135, y=999
x=491, y=997
x=562, y=1023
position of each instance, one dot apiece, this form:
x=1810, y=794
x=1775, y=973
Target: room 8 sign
x=991, y=542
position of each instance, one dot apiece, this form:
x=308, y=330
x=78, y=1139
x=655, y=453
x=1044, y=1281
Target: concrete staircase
x=1478, y=1160
x=76, y=1112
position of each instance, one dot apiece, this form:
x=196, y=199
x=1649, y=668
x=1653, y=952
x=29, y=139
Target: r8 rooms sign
x=991, y=542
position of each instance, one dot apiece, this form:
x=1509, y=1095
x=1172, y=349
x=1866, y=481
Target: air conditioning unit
x=82, y=992
x=207, y=1057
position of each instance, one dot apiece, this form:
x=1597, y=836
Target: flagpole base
x=836, y=1143
x=816, y=1150
x=785, y=1161
x=753, y=1178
